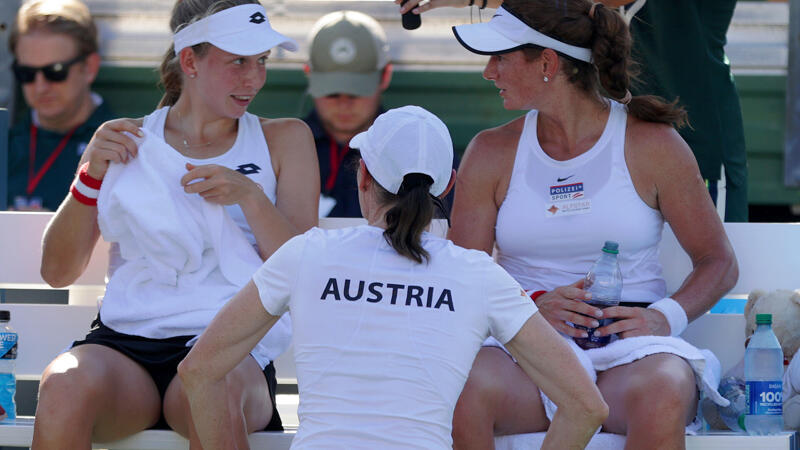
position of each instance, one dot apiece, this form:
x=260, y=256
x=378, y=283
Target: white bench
x=45, y=330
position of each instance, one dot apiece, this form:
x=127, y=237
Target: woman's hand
x=412, y=4
x=634, y=321
x=109, y=144
x=220, y=185
x=567, y=304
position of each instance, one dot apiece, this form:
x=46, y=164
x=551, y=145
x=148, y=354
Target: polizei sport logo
x=566, y=192
x=395, y=294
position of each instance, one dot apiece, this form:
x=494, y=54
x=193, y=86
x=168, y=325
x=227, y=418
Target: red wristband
x=537, y=294
x=85, y=188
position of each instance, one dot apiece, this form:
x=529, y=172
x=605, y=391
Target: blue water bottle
x=763, y=376
x=8, y=359
x=604, y=281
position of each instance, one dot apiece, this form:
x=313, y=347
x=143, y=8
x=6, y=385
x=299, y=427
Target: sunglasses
x=55, y=72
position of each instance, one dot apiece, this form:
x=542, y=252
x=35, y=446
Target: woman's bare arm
x=481, y=185
x=294, y=159
x=549, y=361
x=233, y=333
x=667, y=178
x=72, y=233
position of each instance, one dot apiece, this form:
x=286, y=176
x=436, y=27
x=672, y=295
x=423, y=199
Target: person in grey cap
x=348, y=70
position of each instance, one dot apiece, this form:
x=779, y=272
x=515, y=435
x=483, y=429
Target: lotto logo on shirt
x=566, y=192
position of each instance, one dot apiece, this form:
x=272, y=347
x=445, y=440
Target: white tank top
x=557, y=214
x=249, y=155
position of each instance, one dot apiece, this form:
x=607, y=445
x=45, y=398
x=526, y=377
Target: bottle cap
x=761, y=319
x=611, y=247
x=5, y=315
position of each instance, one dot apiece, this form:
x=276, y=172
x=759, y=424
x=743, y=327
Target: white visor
x=241, y=30
x=505, y=32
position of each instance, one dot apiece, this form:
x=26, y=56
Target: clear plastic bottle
x=604, y=281
x=8, y=359
x=763, y=375
x=733, y=389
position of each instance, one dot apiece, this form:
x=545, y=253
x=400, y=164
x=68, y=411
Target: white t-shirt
x=383, y=345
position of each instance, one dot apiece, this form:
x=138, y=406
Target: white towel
x=183, y=257
x=143, y=207
x=706, y=366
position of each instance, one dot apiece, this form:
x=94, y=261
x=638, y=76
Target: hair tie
x=414, y=180
x=627, y=99
x=593, y=7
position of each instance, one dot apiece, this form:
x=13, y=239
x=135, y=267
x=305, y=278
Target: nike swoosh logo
x=565, y=178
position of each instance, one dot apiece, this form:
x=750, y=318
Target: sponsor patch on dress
x=567, y=200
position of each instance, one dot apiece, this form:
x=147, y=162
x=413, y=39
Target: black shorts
x=160, y=358
x=635, y=304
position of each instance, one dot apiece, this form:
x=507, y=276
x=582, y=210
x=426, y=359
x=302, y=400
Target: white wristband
x=675, y=314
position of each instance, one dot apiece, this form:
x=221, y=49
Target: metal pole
x=792, y=147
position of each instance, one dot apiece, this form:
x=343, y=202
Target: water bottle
x=763, y=375
x=8, y=358
x=604, y=281
x=733, y=415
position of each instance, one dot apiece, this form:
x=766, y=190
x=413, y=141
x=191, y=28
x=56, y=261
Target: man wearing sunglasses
x=54, y=44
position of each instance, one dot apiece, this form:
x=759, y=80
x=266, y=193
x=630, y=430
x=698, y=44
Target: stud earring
x=192, y=75
x=546, y=79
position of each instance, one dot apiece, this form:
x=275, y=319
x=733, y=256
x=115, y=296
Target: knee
x=476, y=405
x=65, y=392
x=249, y=403
x=669, y=392
x=480, y=392
x=236, y=385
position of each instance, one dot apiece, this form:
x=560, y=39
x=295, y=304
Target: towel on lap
x=704, y=363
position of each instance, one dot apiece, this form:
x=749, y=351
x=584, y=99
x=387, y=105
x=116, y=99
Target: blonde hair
x=184, y=13
x=69, y=17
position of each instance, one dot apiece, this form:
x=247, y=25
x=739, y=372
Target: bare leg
x=248, y=403
x=650, y=400
x=95, y=393
x=498, y=399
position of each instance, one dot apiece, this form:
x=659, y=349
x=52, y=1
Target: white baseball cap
x=241, y=30
x=507, y=32
x=407, y=140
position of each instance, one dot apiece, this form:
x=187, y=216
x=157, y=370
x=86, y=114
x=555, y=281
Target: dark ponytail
x=611, y=49
x=410, y=214
x=607, y=35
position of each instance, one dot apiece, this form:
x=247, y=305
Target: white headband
x=506, y=32
x=241, y=30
